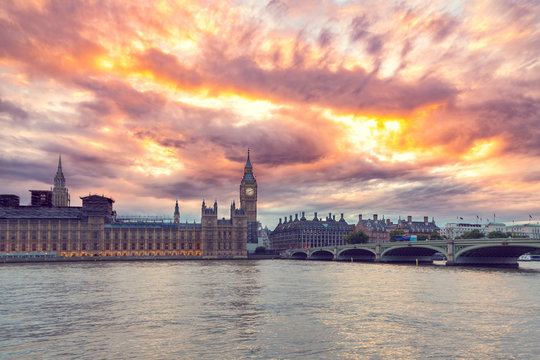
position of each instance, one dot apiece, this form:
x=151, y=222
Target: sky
x=395, y=108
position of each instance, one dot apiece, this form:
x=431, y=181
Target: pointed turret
x=60, y=194
x=248, y=163
x=248, y=171
x=176, y=213
x=59, y=179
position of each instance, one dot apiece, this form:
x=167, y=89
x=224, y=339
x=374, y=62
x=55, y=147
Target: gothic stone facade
x=94, y=230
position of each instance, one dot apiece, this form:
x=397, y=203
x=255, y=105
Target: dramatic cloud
x=369, y=107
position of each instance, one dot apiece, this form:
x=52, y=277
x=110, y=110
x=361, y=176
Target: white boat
x=529, y=257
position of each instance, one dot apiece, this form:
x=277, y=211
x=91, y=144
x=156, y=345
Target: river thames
x=269, y=309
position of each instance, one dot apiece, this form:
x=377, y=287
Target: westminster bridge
x=486, y=252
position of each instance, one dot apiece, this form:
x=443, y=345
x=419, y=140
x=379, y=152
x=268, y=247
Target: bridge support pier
x=450, y=250
x=378, y=252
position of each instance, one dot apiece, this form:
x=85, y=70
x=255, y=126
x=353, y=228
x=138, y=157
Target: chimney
x=280, y=220
x=425, y=220
x=295, y=217
x=387, y=221
x=359, y=218
x=375, y=217
x=409, y=219
x=315, y=216
x=290, y=218
x=334, y=217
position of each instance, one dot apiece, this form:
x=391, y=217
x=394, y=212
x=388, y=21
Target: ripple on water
x=267, y=309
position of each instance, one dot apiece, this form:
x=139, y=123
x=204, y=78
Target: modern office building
x=94, y=229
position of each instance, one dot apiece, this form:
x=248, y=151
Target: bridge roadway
x=468, y=252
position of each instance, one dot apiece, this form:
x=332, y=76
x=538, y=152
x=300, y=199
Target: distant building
x=493, y=226
x=303, y=233
x=95, y=230
x=264, y=237
x=379, y=230
x=454, y=230
x=528, y=230
x=425, y=227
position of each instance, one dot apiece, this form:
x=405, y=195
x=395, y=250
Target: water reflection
x=267, y=309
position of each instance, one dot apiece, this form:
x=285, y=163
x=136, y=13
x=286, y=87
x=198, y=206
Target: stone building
x=303, y=233
x=379, y=230
x=94, y=229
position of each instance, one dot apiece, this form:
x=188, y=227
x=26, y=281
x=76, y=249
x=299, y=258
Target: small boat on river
x=529, y=257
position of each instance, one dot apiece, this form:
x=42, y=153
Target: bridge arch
x=492, y=254
x=356, y=254
x=322, y=255
x=406, y=252
x=299, y=255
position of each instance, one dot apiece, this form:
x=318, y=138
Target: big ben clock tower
x=248, y=201
x=248, y=192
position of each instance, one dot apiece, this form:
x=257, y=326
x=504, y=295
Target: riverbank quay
x=61, y=259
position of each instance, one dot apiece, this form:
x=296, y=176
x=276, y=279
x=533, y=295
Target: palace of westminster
x=49, y=225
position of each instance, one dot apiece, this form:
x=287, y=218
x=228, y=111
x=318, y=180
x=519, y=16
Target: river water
x=268, y=309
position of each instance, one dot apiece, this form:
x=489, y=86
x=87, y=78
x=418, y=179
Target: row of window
x=151, y=234
x=34, y=235
x=95, y=246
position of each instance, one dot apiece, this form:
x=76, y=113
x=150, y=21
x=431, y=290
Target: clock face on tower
x=250, y=191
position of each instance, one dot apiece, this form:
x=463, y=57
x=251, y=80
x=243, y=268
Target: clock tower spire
x=248, y=201
x=248, y=192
